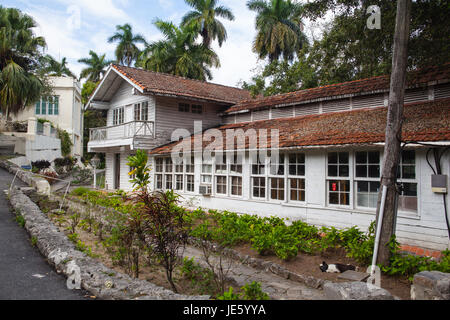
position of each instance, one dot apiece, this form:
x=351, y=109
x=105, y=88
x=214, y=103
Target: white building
x=330, y=141
x=63, y=109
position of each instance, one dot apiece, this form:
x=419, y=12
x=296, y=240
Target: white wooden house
x=330, y=142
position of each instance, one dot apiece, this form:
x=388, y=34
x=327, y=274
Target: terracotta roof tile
x=424, y=121
x=374, y=84
x=161, y=83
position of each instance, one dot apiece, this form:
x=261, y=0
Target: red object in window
x=334, y=186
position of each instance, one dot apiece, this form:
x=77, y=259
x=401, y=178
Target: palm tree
x=203, y=18
x=126, y=51
x=278, y=26
x=20, y=50
x=96, y=67
x=178, y=54
x=55, y=68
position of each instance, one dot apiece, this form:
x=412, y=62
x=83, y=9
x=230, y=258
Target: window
x=198, y=109
x=118, y=116
x=277, y=188
x=221, y=185
x=297, y=189
x=158, y=182
x=168, y=165
x=190, y=183
x=221, y=164
x=179, y=182
x=206, y=177
x=169, y=180
x=277, y=166
x=338, y=189
x=259, y=187
x=236, y=186
x=259, y=166
x=407, y=200
x=367, y=176
x=141, y=111
x=296, y=174
x=183, y=107
x=44, y=105
x=236, y=165
x=159, y=164
x=56, y=105
x=50, y=105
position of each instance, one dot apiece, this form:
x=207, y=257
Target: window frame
x=296, y=176
x=367, y=178
x=338, y=178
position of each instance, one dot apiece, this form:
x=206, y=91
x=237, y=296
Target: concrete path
x=276, y=287
x=24, y=273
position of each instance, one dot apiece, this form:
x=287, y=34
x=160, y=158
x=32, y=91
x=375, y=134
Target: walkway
x=276, y=287
x=24, y=273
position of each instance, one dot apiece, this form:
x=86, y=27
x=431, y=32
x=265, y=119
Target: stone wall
x=101, y=281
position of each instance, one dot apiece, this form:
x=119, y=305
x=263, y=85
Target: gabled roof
x=165, y=84
x=424, y=122
x=372, y=85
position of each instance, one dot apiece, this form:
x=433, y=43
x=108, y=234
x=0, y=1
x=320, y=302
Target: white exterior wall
x=70, y=115
x=124, y=97
x=425, y=228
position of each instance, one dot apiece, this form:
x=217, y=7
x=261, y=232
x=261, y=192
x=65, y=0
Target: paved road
x=24, y=273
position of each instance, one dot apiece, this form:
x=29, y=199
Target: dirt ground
x=302, y=264
x=309, y=265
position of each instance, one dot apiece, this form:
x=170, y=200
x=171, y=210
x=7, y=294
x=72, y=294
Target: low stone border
x=257, y=263
x=96, y=278
x=268, y=266
x=41, y=185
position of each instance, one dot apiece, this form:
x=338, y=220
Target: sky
x=73, y=28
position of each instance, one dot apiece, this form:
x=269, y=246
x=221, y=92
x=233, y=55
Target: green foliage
x=141, y=170
x=250, y=291
x=200, y=277
x=22, y=81
x=126, y=51
x=66, y=142
x=20, y=220
x=408, y=265
x=33, y=241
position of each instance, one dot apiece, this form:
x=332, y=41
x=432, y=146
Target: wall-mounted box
x=439, y=183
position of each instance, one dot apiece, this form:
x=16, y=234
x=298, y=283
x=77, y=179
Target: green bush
x=250, y=291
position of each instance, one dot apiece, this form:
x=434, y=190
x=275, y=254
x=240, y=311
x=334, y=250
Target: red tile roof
x=165, y=84
x=370, y=85
x=424, y=122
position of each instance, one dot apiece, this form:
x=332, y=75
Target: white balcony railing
x=123, y=131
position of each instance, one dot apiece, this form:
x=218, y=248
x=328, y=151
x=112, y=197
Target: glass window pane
x=332, y=170
x=343, y=170
x=333, y=157
x=361, y=171
x=408, y=172
x=374, y=171
x=343, y=157
x=334, y=198
x=409, y=157
x=374, y=157
x=361, y=157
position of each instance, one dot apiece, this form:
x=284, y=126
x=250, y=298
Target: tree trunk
x=392, y=149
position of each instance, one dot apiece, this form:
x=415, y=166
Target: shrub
x=250, y=291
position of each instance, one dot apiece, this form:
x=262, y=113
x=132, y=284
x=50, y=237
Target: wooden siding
x=287, y=112
x=442, y=91
x=168, y=118
x=307, y=109
x=260, y=115
x=368, y=101
x=336, y=105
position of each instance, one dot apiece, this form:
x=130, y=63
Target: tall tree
x=179, y=54
x=392, y=148
x=279, y=31
x=348, y=50
x=52, y=67
x=203, y=18
x=96, y=66
x=127, y=51
x=21, y=82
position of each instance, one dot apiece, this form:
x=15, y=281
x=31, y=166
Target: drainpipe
x=379, y=225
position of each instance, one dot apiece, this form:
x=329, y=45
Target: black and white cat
x=336, y=267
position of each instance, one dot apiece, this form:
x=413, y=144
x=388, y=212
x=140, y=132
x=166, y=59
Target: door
x=117, y=171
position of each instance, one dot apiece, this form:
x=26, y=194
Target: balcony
x=126, y=134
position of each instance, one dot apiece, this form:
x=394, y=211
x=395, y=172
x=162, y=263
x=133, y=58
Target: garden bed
x=87, y=239
x=298, y=248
